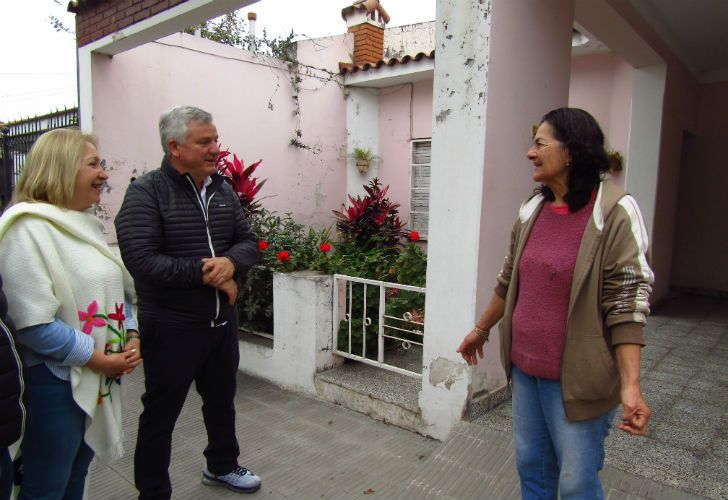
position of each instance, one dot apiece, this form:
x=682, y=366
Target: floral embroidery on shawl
x=115, y=338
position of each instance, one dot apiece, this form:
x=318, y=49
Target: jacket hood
x=608, y=196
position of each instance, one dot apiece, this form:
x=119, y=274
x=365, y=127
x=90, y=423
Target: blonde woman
x=69, y=297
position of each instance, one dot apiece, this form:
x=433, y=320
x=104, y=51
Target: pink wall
x=681, y=94
x=592, y=79
x=602, y=85
x=620, y=105
x=599, y=83
x=395, y=136
x=250, y=98
x=679, y=114
x=701, y=227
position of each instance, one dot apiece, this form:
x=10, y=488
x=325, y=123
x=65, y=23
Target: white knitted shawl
x=56, y=264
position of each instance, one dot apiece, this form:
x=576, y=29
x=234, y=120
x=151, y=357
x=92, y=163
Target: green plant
x=228, y=29
x=364, y=157
x=281, y=233
x=382, y=264
x=255, y=302
x=365, y=154
x=284, y=245
x=411, y=266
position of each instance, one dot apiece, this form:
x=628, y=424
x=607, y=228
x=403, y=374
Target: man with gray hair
x=184, y=239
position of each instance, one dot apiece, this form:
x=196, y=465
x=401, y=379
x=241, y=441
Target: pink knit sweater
x=546, y=271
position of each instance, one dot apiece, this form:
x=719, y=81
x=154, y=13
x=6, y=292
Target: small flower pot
x=363, y=165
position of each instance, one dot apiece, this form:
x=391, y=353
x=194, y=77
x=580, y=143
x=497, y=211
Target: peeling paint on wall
x=320, y=195
x=444, y=371
x=442, y=115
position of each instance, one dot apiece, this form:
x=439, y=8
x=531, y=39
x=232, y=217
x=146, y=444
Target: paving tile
x=308, y=449
x=109, y=484
x=694, y=439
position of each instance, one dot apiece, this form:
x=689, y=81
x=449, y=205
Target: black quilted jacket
x=12, y=383
x=164, y=230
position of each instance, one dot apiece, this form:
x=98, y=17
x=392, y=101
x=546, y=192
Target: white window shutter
x=420, y=186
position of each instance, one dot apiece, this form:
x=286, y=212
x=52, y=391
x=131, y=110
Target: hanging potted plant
x=364, y=157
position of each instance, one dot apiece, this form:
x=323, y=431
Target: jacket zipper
x=205, y=208
x=20, y=374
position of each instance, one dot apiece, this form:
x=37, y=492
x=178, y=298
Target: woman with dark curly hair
x=572, y=298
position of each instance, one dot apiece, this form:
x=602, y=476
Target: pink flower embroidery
x=87, y=317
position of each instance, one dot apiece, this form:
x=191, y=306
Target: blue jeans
x=555, y=456
x=55, y=456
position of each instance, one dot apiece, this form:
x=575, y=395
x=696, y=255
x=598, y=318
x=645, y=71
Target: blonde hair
x=51, y=168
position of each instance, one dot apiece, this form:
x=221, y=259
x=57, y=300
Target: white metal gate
x=386, y=318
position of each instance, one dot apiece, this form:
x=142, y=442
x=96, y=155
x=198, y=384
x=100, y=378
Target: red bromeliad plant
x=372, y=221
x=242, y=182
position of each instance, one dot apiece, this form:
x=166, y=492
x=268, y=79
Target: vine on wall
x=231, y=30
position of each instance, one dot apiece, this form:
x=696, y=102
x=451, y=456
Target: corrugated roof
x=350, y=68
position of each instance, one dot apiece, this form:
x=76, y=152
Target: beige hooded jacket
x=608, y=303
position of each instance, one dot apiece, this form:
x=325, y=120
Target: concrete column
x=643, y=160
x=500, y=66
x=362, y=131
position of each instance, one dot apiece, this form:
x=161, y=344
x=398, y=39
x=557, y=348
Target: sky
x=38, y=70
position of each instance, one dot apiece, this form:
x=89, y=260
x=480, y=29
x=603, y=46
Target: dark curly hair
x=580, y=134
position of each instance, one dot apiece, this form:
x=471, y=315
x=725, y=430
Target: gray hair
x=173, y=123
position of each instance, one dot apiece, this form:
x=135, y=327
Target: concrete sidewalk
x=305, y=448
x=685, y=383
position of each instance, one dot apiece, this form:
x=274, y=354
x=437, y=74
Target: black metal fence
x=17, y=139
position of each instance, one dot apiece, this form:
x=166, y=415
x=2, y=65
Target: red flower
x=118, y=315
x=262, y=245
x=87, y=316
x=284, y=256
x=414, y=236
x=325, y=247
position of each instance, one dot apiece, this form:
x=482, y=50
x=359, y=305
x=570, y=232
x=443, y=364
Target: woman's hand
x=471, y=344
x=113, y=364
x=636, y=412
x=133, y=346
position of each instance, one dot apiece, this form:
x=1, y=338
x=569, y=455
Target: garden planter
x=363, y=165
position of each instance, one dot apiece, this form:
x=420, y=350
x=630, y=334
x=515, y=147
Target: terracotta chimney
x=366, y=19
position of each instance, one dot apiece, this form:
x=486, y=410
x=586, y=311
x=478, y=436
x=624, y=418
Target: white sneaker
x=240, y=480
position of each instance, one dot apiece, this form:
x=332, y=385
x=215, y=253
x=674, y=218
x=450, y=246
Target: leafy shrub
x=285, y=245
x=280, y=233
x=383, y=264
x=372, y=221
x=242, y=181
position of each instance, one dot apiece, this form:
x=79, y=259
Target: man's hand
x=471, y=344
x=217, y=270
x=230, y=287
